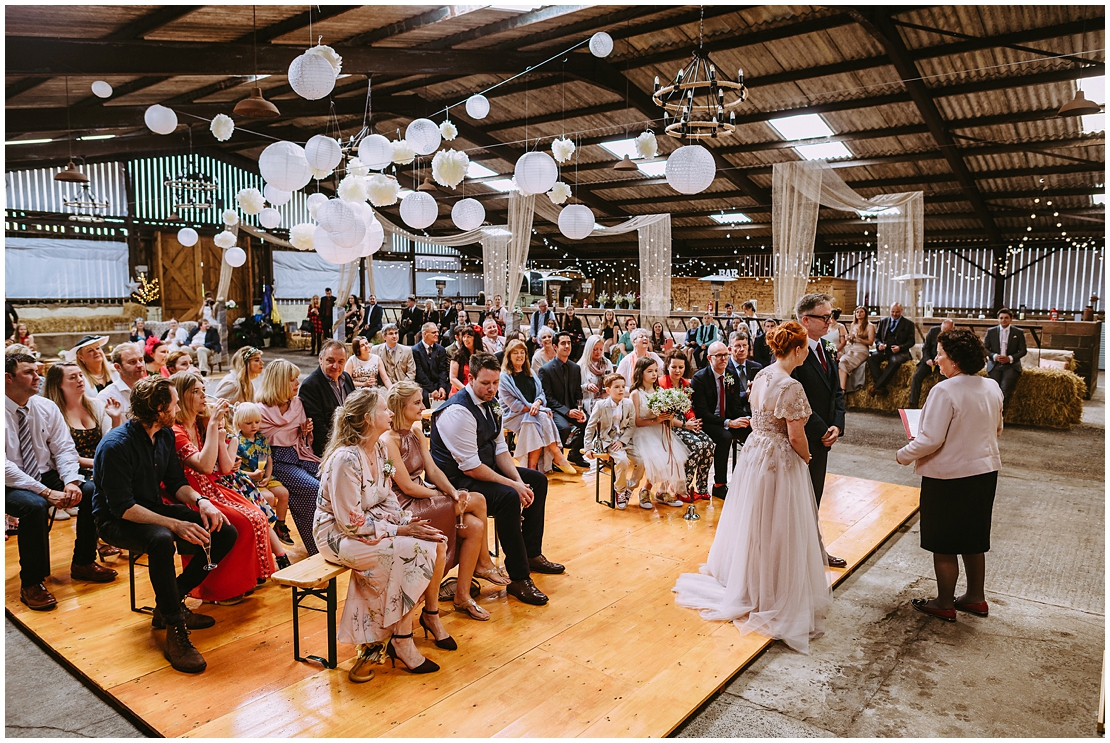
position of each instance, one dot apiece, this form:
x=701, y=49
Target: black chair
x=132, y=561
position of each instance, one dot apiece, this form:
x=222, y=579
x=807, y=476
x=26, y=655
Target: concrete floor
x=1031, y=670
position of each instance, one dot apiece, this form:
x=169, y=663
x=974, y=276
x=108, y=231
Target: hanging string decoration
x=449, y=167
x=222, y=127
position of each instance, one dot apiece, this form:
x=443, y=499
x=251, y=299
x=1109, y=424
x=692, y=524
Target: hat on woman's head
x=88, y=340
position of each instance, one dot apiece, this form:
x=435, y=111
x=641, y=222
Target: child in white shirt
x=610, y=430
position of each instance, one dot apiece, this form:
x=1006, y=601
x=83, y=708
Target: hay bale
x=85, y=324
x=897, y=394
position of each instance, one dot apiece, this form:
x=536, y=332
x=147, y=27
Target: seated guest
x=594, y=368
x=432, y=315
x=41, y=470
x=364, y=367
x=431, y=365
x=459, y=373
x=448, y=316
x=469, y=446
x=412, y=317
x=424, y=491
x=659, y=339
x=206, y=451
x=610, y=431
x=155, y=358
x=89, y=357
x=397, y=361
x=205, y=342
x=690, y=344
x=492, y=342
x=641, y=349
x=539, y=320
x=545, y=352
x=139, y=331
x=134, y=464
x=180, y=360
x=740, y=363
x=663, y=452
x=360, y=524
x=256, y=461
x=127, y=359
x=893, y=340
x=1005, y=349
x=324, y=390
x=956, y=454
x=175, y=336
x=717, y=403
x=499, y=313
x=861, y=334
x=374, y=315
x=928, y=363
x=537, y=439
x=573, y=325
x=23, y=337
x=289, y=432
x=750, y=320
x=760, y=351
x=562, y=390
x=238, y=386
x=688, y=430
x=707, y=333
x=608, y=330
x=625, y=341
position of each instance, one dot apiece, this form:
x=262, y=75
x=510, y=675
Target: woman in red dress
x=204, y=451
x=688, y=430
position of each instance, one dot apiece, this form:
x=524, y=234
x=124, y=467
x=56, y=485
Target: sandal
x=497, y=576
x=472, y=610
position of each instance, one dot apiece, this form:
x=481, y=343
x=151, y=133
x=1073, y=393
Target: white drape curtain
x=795, y=194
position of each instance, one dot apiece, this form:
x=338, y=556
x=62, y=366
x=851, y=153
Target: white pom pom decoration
x=102, y=89
x=536, y=172
x=448, y=131
x=477, y=106
x=382, y=190
x=335, y=216
x=187, y=236
x=329, y=251
x=352, y=236
x=222, y=127
x=423, y=136
x=229, y=217
x=329, y=54
x=300, y=236
x=690, y=169
x=646, y=145
x=468, y=214
x=418, y=210
x=601, y=44
x=559, y=193
x=283, y=165
x=352, y=188
x=376, y=152
x=269, y=218
x=250, y=200
x=224, y=239
x=160, y=120
x=576, y=221
x=403, y=153
x=314, y=202
x=562, y=149
x=311, y=76
x=276, y=196
x=322, y=153
x=449, y=167
x=357, y=167
x=235, y=257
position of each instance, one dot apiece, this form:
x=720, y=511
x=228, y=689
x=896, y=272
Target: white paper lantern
x=335, y=216
x=322, y=153
x=351, y=237
x=283, y=164
x=187, y=236
x=690, y=169
x=329, y=251
x=376, y=152
x=311, y=76
x=536, y=172
x=423, y=135
x=276, y=196
x=102, y=89
x=477, y=106
x=314, y=202
x=468, y=214
x=269, y=218
x=235, y=257
x=375, y=236
x=418, y=210
x=160, y=120
x=601, y=44
x=576, y=221
x=224, y=240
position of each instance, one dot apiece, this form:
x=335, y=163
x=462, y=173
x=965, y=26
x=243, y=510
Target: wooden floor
x=611, y=655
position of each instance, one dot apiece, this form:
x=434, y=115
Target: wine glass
x=209, y=565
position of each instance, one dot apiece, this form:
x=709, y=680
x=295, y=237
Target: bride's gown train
x=766, y=569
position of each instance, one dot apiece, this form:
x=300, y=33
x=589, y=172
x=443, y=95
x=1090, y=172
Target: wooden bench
x=314, y=576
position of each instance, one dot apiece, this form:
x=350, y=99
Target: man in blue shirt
x=133, y=463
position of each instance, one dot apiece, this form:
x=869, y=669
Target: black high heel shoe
x=426, y=667
x=447, y=643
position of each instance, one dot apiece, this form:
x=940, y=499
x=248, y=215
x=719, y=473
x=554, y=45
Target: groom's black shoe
x=836, y=562
x=720, y=491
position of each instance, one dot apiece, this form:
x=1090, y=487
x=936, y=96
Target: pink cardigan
x=959, y=431
x=284, y=429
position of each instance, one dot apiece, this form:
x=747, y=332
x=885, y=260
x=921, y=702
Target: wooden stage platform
x=610, y=656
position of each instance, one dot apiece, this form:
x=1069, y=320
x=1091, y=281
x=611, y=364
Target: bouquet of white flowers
x=669, y=400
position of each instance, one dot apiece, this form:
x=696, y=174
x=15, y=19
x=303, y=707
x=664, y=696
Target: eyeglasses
x=823, y=318
x=718, y=355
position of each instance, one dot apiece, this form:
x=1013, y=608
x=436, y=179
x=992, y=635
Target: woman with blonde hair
x=520, y=390
x=238, y=386
x=88, y=354
x=861, y=334
x=396, y=558
x=608, y=330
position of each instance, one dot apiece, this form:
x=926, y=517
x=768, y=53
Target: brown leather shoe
x=526, y=591
x=37, y=597
x=836, y=562
x=540, y=564
x=192, y=621
x=92, y=572
x=180, y=651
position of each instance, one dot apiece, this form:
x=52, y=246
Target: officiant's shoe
x=720, y=491
x=980, y=610
x=526, y=591
x=948, y=615
x=836, y=562
x=540, y=564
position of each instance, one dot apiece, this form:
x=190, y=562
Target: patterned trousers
x=700, y=460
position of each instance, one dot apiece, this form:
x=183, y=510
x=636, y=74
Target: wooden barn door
x=211, y=257
x=179, y=276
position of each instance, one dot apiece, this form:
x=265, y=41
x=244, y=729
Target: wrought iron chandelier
x=85, y=200
x=191, y=189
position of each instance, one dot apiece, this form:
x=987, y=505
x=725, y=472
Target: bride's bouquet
x=669, y=400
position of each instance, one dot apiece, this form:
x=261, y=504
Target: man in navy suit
x=820, y=379
x=324, y=390
x=717, y=403
x=893, y=340
x=744, y=367
x=373, y=318
x=1005, y=347
x=431, y=364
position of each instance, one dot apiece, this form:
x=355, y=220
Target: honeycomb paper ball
x=601, y=44
x=423, y=135
x=335, y=216
x=187, y=236
x=283, y=165
x=418, y=210
x=536, y=172
x=160, y=120
x=322, y=153
x=351, y=237
x=102, y=89
x=235, y=257
x=468, y=214
x=311, y=76
x=376, y=152
x=690, y=169
x=576, y=221
x=276, y=196
x=269, y=218
x=477, y=106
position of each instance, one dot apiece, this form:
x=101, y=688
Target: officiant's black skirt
x=956, y=514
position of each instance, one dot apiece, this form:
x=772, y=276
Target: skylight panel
x=1094, y=89
x=504, y=185
x=477, y=170
x=1093, y=123
x=622, y=147
x=826, y=151
x=802, y=126
x=655, y=169
x=1099, y=199
x=27, y=141
x=731, y=218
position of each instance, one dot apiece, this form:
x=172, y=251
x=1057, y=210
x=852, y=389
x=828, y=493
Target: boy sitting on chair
x=610, y=431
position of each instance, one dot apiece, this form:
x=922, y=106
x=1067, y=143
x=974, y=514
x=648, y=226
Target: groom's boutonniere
x=830, y=349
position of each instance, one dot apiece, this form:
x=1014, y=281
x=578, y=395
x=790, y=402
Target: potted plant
x=603, y=300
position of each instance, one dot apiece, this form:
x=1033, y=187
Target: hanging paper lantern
x=601, y=44
x=477, y=106
x=449, y=167
x=269, y=218
x=375, y=236
x=160, y=120
x=276, y=196
x=229, y=217
x=403, y=153
x=329, y=251
x=536, y=172
x=187, y=236
x=224, y=240
x=335, y=216
x=283, y=164
x=418, y=210
x=423, y=136
x=351, y=237
x=322, y=153
x=468, y=214
x=250, y=200
x=576, y=221
x=311, y=76
x=235, y=257
x=448, y=131
x=376, y=152
x=382, y=190
x=102, y=89
x=314, y=202
x=300, y=236
x=690, y=169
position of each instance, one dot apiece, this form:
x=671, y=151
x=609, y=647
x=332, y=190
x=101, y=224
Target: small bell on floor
x=691, y=513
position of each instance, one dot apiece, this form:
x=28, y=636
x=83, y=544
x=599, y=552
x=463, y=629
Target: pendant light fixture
x=1079, y=106
x=625, y=164
x=427, y=185
x=256, y=106
x=71, y=174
